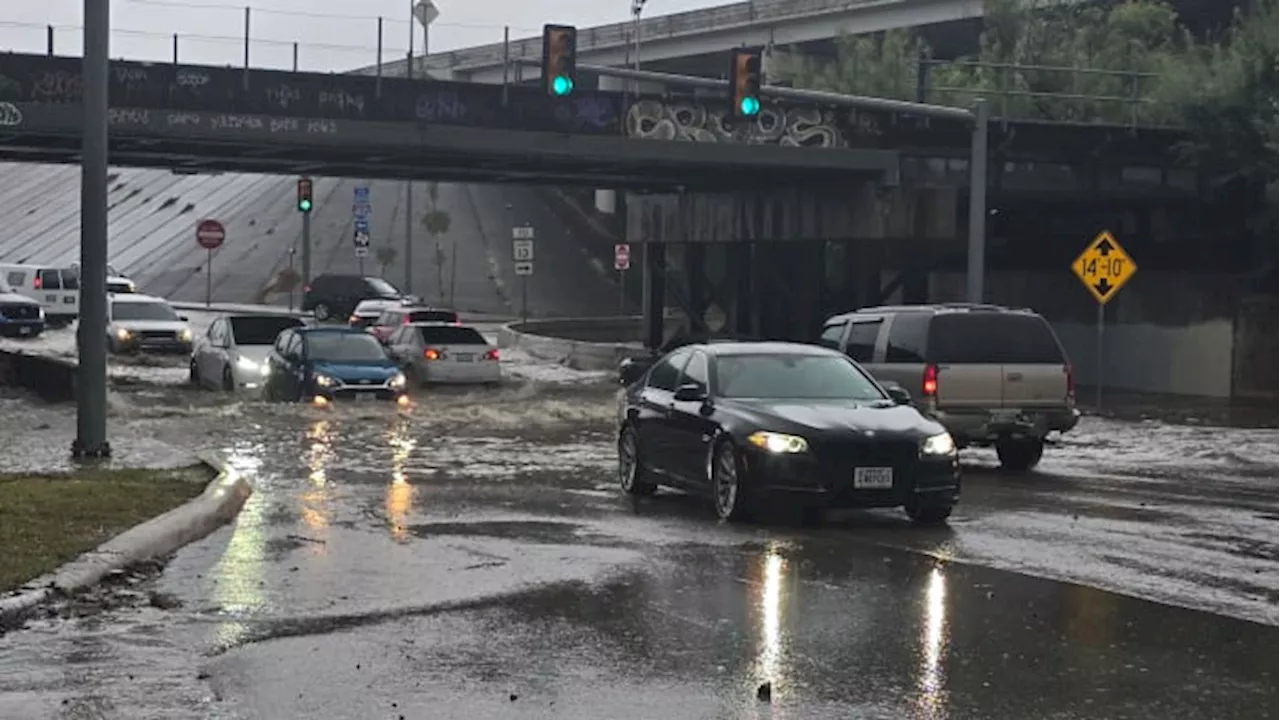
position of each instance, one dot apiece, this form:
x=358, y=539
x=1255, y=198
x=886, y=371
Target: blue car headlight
x=324, y=381
x=397, y=381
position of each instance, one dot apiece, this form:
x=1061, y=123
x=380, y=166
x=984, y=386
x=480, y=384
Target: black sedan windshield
x=343, y=347
x=797, y=377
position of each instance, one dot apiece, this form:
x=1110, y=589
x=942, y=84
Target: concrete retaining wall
x=52, y=379
x=581, y=344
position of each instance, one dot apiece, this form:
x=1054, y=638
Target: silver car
x=232, y=354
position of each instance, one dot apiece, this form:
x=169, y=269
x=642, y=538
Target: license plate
x=366, y=397
x=464, y=357
x=873, y=478
x=24, y=330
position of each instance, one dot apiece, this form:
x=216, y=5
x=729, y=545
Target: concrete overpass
x=704, y=32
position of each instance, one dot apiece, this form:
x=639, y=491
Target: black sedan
x=749, y=423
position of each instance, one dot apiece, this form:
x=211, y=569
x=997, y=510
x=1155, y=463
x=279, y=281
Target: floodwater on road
x=472, y=557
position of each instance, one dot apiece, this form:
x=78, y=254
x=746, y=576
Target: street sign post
x=622, y=263
x=522, y=257
x=1104, y=267
x=361, y=211
x=210, y=234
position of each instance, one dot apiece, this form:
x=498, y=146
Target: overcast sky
x=332, y=34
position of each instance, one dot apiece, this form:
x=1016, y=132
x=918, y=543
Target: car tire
x=228, y=382
x=929, y=513
x=1019, y=456
x=323, y=312
x=193, y=378
x=727, y=490
x=632, y=476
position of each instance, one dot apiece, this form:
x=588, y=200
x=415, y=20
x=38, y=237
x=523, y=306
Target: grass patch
x=47, y=520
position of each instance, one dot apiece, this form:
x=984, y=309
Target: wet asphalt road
x=472, y=558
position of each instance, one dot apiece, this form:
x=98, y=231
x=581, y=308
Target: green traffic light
x=561, y=85
x=304, y=205
x=749, y=105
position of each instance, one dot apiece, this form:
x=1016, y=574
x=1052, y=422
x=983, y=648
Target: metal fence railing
x=656, y=28
x=1062, y=94
x=360, y=49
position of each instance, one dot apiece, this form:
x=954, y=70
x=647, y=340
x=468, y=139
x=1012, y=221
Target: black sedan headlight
x=939, y=445
x=778, y=443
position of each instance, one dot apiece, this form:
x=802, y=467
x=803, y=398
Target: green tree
x=1225, y=94
x=385, y=255
x=1053, y=46
x=437, y=222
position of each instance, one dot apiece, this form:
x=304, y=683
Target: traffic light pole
x=306, y=248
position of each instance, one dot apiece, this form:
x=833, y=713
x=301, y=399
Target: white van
x=56, y=289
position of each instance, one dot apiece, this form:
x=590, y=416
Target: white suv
x=142, y=322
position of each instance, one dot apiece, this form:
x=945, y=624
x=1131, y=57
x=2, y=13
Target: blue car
x=321, y=365
x=20, y=316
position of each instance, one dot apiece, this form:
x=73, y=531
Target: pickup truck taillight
x=929, y=384
x=1071, y=382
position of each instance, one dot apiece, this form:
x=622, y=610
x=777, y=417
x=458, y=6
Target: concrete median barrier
x=579, y=343
x=52, y=379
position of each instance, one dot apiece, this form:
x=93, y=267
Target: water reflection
x=932, y=699
x=400, y=492
x=769, y=659
x=316, y=513
x=239, y=576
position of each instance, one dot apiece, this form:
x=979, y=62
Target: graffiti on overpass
x=691, y=121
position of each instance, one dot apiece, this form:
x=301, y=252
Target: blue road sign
x=362, y=225
x=362, y=194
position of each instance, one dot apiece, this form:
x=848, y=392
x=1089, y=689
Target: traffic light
x=559, y=58
x=745, y=80
x=304, y=195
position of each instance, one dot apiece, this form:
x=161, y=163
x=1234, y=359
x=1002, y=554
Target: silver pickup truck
x=990, y=374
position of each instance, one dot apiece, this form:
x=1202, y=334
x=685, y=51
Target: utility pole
x=91, y=334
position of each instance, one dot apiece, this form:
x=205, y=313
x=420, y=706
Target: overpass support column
x=654, y=292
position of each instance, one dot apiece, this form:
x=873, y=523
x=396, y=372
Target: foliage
x=437, y=223
x=1142, y=58
x=287, y=280
x=1225, y=93
x=385, y=255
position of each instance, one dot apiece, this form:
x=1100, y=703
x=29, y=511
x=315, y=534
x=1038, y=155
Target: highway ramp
x=153, y=214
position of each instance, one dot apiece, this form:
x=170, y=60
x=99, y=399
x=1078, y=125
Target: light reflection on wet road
x=473, y=558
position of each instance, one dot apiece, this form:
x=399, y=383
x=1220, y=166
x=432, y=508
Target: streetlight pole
x=91, y=385
x=646, y=271
x=425, y=12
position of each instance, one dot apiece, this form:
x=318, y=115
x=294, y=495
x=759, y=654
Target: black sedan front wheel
x=631, y=473
x=726, y=484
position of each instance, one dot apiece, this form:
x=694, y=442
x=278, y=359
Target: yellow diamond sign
x=1104, y=267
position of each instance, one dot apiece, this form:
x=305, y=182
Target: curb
x=161, y=535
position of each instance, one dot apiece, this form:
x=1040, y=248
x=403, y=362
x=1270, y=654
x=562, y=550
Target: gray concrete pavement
x=474, y=559
x=153, y=215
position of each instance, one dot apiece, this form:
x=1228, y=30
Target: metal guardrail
x=651, y=29
x=1123, y=99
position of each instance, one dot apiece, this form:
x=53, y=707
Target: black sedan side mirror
x=897, y=393
x=691, y=393
x=183, y=318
